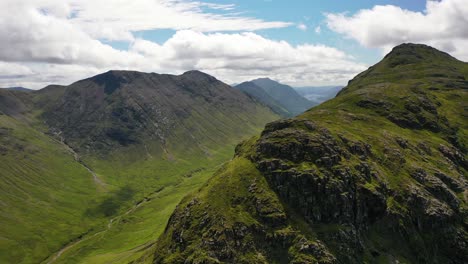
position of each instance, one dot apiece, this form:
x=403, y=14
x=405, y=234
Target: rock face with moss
x=376, y=175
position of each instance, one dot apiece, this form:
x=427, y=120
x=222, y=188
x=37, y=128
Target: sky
x=297, y=42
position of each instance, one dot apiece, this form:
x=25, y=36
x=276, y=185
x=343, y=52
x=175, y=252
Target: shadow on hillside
x=111, y=204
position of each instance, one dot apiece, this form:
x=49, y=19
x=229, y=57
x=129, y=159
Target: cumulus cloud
x=302, y=26
x=443, y=24
x=54, y=41
x=243, y=56
x=11, y=71
x=117, y=19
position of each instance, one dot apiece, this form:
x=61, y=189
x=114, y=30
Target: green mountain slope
x=285, y=95
x=263, y=97
x=87, y=163
x=376, y=175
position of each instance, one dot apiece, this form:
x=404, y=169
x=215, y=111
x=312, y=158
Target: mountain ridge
x=263, y=97
x=375, y=175
x=282, y=99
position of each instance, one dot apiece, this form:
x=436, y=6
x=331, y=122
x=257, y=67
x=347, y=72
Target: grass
x=128, y=237
x=44, y=194
x=49, y=200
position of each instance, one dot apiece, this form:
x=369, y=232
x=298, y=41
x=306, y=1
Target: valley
x=233, y=132
x=94, y=164
x=131, y=167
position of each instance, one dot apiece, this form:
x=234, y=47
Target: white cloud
x=444, y=25
x=318, y=29
x=302, y=26
x=12, y=71
x=54, y=41
x=239, y=57
x=117, y=19
x=42, y=33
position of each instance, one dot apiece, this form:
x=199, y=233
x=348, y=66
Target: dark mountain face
x=121, y=108
x=285, y=95
x=282, y=99
x=263, y=97
x=376, y=175
x=13, y=102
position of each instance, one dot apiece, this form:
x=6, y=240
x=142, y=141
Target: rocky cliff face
x=376, y=175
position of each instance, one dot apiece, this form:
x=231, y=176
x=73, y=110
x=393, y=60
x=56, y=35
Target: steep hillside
x=80, y=162
x=285, y=95
x=376, y=175
x=263, y=97
x=14, y=103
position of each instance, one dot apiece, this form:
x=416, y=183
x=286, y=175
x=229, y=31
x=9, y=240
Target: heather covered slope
x=376, y=175
x=88, y=163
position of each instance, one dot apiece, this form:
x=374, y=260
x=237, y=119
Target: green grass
x=50, y=201
x=44, y=195
x=128, y=237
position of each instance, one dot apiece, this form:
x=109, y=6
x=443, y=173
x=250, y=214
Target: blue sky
x=301, y=42
x=307, y=12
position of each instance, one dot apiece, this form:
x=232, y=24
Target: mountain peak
x=410, y=53
x=198, y=75
x=114, y=79
x=264, y=79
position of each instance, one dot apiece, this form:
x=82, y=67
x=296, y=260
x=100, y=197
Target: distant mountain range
x=19, y=89
x=318, y=94
x=280, y=98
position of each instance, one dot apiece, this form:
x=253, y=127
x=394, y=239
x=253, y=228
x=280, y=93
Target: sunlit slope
x=376, y=175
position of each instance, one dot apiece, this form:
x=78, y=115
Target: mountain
x=19, y=89
x=318, y=94
x=376, y=175
x=281, y=97
x=263, y=97
x=119, y=108
x=86, y=164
